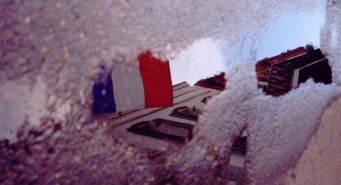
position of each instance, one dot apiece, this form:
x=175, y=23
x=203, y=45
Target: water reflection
x=63, y=45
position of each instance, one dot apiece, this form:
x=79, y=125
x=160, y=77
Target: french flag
x=145, y=84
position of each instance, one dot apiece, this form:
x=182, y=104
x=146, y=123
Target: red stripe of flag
x=156, y=80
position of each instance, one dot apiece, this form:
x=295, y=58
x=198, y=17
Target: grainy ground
x=321, y=161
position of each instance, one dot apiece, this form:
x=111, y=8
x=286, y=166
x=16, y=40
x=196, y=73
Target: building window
x=240, y=146
x=185, y=112
x=204, y=100
x=164, y=129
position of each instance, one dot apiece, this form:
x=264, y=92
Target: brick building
x=279, y=74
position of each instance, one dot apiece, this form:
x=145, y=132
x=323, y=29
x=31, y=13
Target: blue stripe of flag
x=103, y=96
